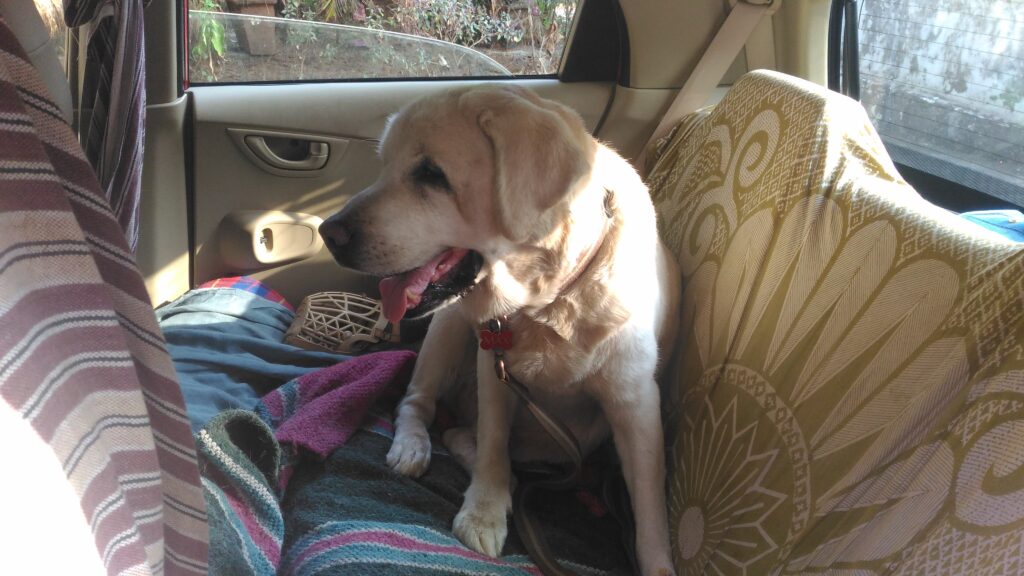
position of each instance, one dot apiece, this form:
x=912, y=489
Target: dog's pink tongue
x=402, y=292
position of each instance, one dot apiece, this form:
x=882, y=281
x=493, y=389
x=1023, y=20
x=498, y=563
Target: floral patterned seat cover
x=848, y=388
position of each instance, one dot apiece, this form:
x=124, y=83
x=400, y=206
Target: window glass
x=943, y=81
x=290, y=40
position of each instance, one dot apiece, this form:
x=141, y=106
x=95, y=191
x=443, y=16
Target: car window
x=298, y=40
x=943, y=82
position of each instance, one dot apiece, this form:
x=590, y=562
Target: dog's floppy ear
x=541, y=150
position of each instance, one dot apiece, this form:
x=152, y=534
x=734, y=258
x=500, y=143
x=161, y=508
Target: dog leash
x=497, y=338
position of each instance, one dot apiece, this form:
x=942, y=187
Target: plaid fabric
x=81, y=357
x=114, y=90
x=249, y=285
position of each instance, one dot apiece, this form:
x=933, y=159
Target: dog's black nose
x=335, y=235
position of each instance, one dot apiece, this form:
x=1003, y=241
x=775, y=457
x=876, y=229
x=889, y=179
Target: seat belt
x=739, y=25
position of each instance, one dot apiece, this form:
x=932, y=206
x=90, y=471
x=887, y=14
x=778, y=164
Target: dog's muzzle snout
x=336, y=236
x=335, y=233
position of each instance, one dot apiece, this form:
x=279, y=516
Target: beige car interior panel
x=230, y=177
x=162, y=81
x=632, y=111
x=162, y=252
x=251, y=240
x=629, y=118
x=357, y=110
x=801, y=39
x=760, y=49
x=673, y=38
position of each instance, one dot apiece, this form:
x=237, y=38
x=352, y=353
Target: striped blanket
x=246, y=458
x=82, y=361
x=299, y=486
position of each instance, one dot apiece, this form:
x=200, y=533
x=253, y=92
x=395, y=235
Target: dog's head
x=471, y=178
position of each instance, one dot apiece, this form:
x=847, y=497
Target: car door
x=279, y=106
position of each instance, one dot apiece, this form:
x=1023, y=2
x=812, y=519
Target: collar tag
x=491, y=340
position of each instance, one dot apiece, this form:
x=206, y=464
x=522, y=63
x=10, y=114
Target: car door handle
x=312, y=154
x=290, y=154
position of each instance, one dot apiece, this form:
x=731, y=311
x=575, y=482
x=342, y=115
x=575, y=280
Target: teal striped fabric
x=300, y=487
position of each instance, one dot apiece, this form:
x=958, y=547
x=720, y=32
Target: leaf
x=217, y=39
x=202, y=47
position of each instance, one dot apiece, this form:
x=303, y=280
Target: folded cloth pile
x=300, y=486
x=228, y=348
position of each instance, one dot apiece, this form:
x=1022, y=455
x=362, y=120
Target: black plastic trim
x=843, y=48
x=597, y=49
x=188, y=135
x=949, y=194
x=182, y=42
x=933, y=175
x=851, y=51
x=835, y=45
x=624, y=53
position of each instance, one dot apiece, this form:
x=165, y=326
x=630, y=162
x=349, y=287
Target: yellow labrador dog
x=496, y=203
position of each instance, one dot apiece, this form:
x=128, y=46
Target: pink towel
x=320, y=411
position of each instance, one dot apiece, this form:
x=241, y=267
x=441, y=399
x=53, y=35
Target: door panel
x=163, y=249
x=232, y=176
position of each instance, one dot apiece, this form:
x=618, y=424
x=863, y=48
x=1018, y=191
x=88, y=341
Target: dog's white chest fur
x=545, y=361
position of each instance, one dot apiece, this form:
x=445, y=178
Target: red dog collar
x=494, y=335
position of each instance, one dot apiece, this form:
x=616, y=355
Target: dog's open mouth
x=418, y=292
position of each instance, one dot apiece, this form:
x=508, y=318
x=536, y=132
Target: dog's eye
x=429, y=174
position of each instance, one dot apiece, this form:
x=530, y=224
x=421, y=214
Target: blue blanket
x=228, y=349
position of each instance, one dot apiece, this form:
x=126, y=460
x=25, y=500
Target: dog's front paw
x=482, y=527
x=654, y=560
x=663, y=571
x=410, y=453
